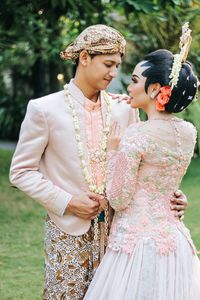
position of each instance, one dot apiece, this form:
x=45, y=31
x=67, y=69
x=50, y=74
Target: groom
x=60, y=160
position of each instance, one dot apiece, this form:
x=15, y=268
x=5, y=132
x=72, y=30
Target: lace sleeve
x=122, y=169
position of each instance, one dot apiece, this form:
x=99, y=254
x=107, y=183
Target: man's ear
x=153, y=90
x=84, y=58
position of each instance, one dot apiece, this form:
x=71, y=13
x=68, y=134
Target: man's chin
x=102, y=85
x=106, y=84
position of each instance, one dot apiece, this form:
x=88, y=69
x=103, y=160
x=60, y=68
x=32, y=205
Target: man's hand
x=179, y=203
x=85, y=206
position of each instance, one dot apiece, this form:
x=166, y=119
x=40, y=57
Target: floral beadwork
x=141, y=178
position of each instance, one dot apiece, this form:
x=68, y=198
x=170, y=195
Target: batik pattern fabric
x=150, y=254
x=68, y=263
x=96, y=39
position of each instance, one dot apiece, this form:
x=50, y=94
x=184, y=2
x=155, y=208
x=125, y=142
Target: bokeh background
x=32, y=33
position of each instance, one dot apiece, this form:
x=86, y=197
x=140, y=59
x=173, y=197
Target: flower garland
x=92, y=186
x=98, y=250
x=176, y=67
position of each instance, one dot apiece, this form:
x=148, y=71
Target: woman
x=150, y=254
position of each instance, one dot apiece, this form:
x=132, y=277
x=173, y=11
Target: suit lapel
x=79, y=101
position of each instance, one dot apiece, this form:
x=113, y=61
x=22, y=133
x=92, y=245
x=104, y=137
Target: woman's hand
x=114, y=137
x=120, y=97
x=103, y=204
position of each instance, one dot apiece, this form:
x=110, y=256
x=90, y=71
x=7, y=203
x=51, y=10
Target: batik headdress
x=96, y=39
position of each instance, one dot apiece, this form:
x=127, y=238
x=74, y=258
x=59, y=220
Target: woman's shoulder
x=189, y=129
x=143, y=126
x=135, y=128
x=188, y=125
x=134, y=134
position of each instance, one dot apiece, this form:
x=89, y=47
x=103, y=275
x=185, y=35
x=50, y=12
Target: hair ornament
x=197, y=91
x=163, y=97
x=184, y=45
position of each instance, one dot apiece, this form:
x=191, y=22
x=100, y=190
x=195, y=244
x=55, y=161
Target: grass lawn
x=21, y=241
x=21, y=233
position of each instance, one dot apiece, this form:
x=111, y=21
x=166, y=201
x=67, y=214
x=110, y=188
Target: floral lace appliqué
x=142, y=176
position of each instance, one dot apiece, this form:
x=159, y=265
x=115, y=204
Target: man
x=60, y=161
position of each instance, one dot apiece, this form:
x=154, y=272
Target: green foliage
x=32, y=33
x=31, y=36
x=21, y=240
x=192, y=114
x=160, y=28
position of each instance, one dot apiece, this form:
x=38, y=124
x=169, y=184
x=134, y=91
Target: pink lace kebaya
x=142, y=175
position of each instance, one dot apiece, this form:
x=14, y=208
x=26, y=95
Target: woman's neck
x=153, y=114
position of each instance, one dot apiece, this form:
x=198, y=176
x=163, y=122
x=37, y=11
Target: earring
x=153, y=95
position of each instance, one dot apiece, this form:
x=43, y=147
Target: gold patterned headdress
x=96, y=39
x=184, y=45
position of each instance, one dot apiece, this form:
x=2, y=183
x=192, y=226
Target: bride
x=150, y=254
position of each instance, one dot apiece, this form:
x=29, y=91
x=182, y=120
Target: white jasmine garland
x=100, y=154
x=92, y=186
x=185, y=41
x=176, y=67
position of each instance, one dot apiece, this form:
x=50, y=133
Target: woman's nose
x=129, y=88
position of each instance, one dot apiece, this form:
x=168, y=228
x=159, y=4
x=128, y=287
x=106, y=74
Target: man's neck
x=87, y=91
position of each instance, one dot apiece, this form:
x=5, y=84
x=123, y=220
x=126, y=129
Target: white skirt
x=145, y=275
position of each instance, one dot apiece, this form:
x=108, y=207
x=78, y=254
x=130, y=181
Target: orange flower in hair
x=167, y=90
x=163, y=97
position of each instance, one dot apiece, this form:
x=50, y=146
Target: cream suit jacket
x=45, y=164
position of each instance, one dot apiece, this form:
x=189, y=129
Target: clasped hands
x=88, y=205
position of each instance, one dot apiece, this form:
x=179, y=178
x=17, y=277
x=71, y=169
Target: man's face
x=101, y=69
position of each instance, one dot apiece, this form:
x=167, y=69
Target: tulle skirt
x=145, y=275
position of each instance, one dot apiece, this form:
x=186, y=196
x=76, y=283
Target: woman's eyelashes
x=134, y=79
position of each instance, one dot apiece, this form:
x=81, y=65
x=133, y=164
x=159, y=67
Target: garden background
x=32, y=33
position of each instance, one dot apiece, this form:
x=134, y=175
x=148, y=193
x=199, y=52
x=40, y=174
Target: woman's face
x=139, y=98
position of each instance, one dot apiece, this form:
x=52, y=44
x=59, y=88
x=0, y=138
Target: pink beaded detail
x=142, y=176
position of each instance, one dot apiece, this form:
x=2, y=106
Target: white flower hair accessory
x=184, y=45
